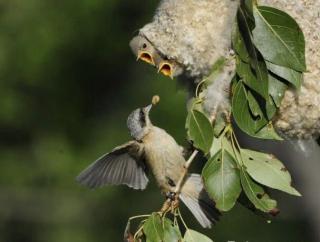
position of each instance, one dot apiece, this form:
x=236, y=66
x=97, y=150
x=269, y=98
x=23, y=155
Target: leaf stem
x=136, y=233
x=236, y=147
x=139, y=216
x=183, y=222
x=198, y=86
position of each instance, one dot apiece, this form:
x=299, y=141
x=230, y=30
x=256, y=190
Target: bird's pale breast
x=164, y=158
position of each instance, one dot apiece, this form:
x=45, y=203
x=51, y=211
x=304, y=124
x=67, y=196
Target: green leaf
x=238, y=44
x=245, y=202
x=219, y=143
x=271, y=108
x=256, y=194
x=257, y=61
x=267, y=132
x=246, y=73
x=247, y=119
x=267, y=170
x=256, y=111
x=292, y=76
x=246, y=6
x=194, y=236
x=200, y=130
x=276, y=90
x=171, y=232
x=248, y=115
x=222, y=180
x=279, y=38
x=153, y=229
x=194, y=103
x=219, y=124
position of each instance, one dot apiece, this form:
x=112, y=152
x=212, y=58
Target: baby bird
x=152, y=148
x=145, y=51
x=190, y=34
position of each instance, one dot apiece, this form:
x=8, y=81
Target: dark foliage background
x=67, y=83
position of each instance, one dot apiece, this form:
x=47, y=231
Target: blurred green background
x=68, y=81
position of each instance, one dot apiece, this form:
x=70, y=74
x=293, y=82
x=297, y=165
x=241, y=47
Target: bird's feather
x=197, y=200
x=124, y=165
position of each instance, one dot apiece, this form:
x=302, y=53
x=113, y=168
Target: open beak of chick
x=145, y=51
x=146, y=57
x=169, y=68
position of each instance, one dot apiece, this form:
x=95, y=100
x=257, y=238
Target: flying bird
x=152, y=148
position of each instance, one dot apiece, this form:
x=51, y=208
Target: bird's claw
x=171, y=195
x=171, y=203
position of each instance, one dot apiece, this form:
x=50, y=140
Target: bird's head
x=139, y=122
x=144, y=50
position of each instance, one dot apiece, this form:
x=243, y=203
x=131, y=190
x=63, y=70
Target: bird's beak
x=166, y=68
x=148, y=108
x=146, y=57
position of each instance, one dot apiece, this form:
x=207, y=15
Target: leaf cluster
x=263, y=38
x=270, y=57
x=231, y=170
x=158, y=228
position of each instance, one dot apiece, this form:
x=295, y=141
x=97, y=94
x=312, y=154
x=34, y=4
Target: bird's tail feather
x=197, y=200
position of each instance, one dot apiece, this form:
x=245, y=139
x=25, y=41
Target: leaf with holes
x=279, y=38
x=268, y=170
x=222, y=180
x=256, y=194
x=194, y=236
x=153, y=229
x=200, y=130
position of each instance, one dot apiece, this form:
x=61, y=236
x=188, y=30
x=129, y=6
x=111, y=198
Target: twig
x=186, y=167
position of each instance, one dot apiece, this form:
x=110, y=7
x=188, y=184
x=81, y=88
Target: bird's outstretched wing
x=123, y=165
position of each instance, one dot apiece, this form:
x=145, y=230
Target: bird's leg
x=171, y=203
x=170, y=195
x=165, y=207
x=174, y=203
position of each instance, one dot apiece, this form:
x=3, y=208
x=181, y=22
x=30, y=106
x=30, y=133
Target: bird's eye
x=142, y=118
x=171, y=182
x=144, y=45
